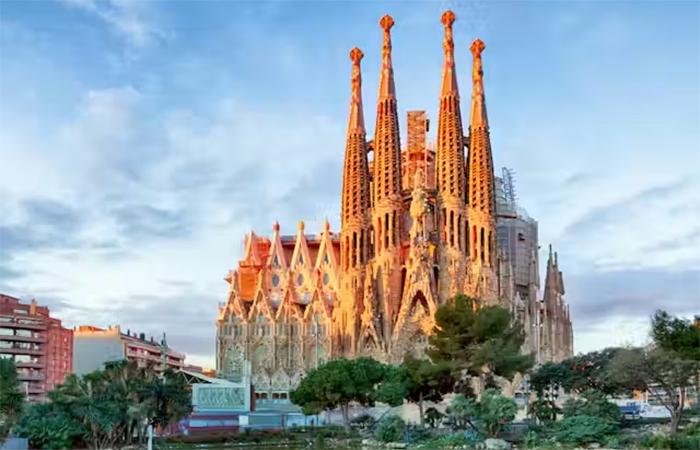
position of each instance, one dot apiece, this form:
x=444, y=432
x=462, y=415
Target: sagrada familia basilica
x=418, y=226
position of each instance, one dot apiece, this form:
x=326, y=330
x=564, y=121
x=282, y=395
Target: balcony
x=30, y=376
x=24, y=326
x=13, y=338
x=30, y=364
x=23, y=351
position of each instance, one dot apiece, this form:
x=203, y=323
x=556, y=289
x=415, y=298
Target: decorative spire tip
x=477, y=47
x=447, y=19
x=301, y=225
x=386, y=23
x=356, y=56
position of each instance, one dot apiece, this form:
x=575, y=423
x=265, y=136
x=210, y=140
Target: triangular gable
x=327, y=260
x=319, y=304
x=261, y=305
x=252, y=256
x=276, y=256
x=289, y=308
x=234, y=305
x=301, y=259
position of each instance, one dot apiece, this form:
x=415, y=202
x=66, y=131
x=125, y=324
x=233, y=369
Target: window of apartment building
x=5, y=356
x=23, y=333
x=6, y=332
x=5, y=319
x=20, y=311
x=5, y=344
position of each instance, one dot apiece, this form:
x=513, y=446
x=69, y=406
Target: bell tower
x=451, y=183
x=354, y=236
x=387, y=214
x=481, y=187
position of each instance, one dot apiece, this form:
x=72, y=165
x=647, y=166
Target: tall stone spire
x=481, y=179
x=355, y=202
x=387, y=152
x=354, y=234
x=388, y=201
x=450, y=149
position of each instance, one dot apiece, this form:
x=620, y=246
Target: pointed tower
x=354, y=211
x=387, y=214
x=481, y=181
x=450, y=180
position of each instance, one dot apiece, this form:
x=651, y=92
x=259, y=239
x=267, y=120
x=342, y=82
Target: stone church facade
x=418, y=226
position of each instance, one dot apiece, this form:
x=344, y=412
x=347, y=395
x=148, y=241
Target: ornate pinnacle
x=356, y=123
x=478, y=118
x=356, y=56
x=477, y=47
x=386, y=23
x=447, y=19
x=386, y=82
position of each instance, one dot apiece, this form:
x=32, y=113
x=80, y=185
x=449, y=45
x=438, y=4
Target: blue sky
x=140, y=141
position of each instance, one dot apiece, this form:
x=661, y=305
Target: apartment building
x=93, y=347
x=40, y=346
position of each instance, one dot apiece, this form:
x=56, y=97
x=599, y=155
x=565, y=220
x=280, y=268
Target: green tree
x=662, y=373
x=585, y=371
x=106, y=408
x=340, y=382
x=11, y=397
x=491, y=412
x=494, y=410
x=680, y=336
x=427, y=381
x=479, y=341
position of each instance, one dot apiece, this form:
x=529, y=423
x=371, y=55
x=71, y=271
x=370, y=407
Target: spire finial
x=449, y=74
x=386, y=82
x=386, y=22
x=326, y=226
x=300, y=226
x=479, y=118
x=447, y=19
x=356, y=124
x=276, y=226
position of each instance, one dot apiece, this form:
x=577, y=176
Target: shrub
x=364, y=422
x=583, y=429
x=390, y=429
x=495, y=410
x=47, y=427
x=544, y=410
x=616, y=441
x=593, y=403
x=433, y=417
x=681, y=441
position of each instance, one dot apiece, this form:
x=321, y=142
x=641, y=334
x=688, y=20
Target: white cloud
x=127, y=18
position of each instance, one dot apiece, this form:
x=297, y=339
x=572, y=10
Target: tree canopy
x=581, y=372
x=340, y=382
x=106, y=408
x=477, y=338
x=11, y=397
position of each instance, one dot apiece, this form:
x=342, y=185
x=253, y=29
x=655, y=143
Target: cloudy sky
x=140, y=141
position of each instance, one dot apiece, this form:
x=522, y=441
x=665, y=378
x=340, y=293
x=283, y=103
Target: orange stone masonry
x=417, y=227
